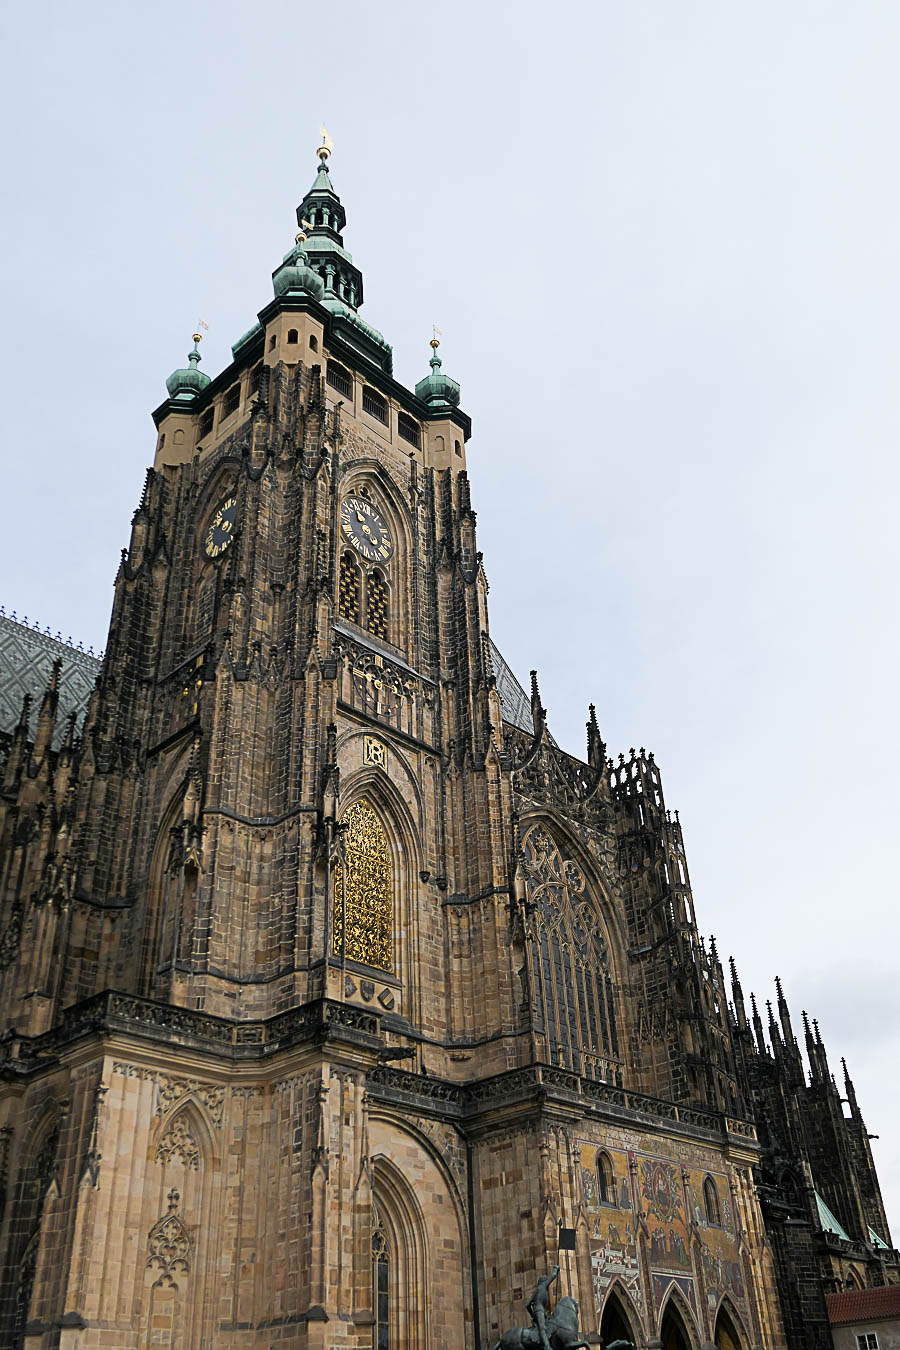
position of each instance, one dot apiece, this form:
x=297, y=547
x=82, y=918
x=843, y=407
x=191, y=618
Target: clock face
x=221, y=529
x=366, y=531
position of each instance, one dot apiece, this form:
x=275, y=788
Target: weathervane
x=326, y=147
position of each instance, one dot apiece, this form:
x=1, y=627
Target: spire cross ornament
x=325, y=149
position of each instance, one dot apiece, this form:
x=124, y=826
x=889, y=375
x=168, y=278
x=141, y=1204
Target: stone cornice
x=342, y=1030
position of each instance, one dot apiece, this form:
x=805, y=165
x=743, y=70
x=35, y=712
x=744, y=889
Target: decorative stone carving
x=171, y=1090
x=179, y=1145
x=169, y=1245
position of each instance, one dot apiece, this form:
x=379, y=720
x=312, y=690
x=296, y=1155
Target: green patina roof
x=828, y=1221
x=246, y=338
x=185, y=384
x=876, y=1241
x=437, y=389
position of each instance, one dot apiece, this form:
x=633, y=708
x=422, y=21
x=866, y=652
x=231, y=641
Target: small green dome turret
x=295, y=273
x=185, y=384
x=437, y=390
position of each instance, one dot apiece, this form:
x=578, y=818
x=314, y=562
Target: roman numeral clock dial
x=221, y=529
x=362, y=526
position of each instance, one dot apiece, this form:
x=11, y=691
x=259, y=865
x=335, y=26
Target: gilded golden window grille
x=363, y=927
x=573, y=983
x=376, y=604
x=348, y=589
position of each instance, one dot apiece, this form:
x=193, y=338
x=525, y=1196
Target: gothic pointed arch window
x=606, y=1180
x=711, y=1203
x=374, y=550
x=363, y=928
x=381, y=1286
x=36, y=1181
x=571, y=964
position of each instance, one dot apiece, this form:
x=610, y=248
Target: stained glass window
x=571, y=963
x=363, y=891
x=348, y=599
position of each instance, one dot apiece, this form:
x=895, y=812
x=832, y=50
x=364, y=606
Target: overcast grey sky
x=661, y=241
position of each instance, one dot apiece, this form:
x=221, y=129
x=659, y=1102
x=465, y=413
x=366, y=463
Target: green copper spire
x=295, y=273
x=323, y=217
x=437, y=390
x=185, y=384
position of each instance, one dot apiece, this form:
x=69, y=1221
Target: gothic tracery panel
x=377, y=605
x=363, y=891
x=349, y=589
x=571, y=963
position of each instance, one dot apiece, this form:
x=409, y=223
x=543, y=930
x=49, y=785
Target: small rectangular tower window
x=374, y=404
x=206, y=422
x=231, y=401
x=409, y=429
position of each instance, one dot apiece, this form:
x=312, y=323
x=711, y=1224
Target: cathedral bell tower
x=337, y=999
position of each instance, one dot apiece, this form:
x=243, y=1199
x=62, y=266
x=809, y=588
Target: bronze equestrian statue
x=556, y=1330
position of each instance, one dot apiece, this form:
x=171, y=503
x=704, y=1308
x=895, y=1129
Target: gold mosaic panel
x=364, y=924
x=348, y=590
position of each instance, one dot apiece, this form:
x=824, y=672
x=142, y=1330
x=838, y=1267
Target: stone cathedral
x=337, y=1002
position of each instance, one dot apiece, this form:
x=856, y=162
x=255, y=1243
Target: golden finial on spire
x=325, y=149
x=436, y=338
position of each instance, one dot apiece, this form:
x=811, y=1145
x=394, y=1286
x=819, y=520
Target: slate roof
x=27, y=654
x=864, y=1305
x=516, y=703
x=26, y=659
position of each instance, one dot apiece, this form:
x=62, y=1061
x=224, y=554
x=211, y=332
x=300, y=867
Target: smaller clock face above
x=221, y=529
x=363, y=527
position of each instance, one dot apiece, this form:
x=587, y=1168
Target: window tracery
x=349, y=589
x=571, y=963
x=364, y=597
x=363, y=891
x=376, y=604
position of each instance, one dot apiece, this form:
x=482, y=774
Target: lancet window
x=571, y=965
x=381, y=1280
x=363, y=928
x=711, y=1203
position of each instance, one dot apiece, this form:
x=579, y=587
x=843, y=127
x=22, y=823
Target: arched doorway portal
x=674, y=1333
x=615, y=1324
x=727, y=1337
